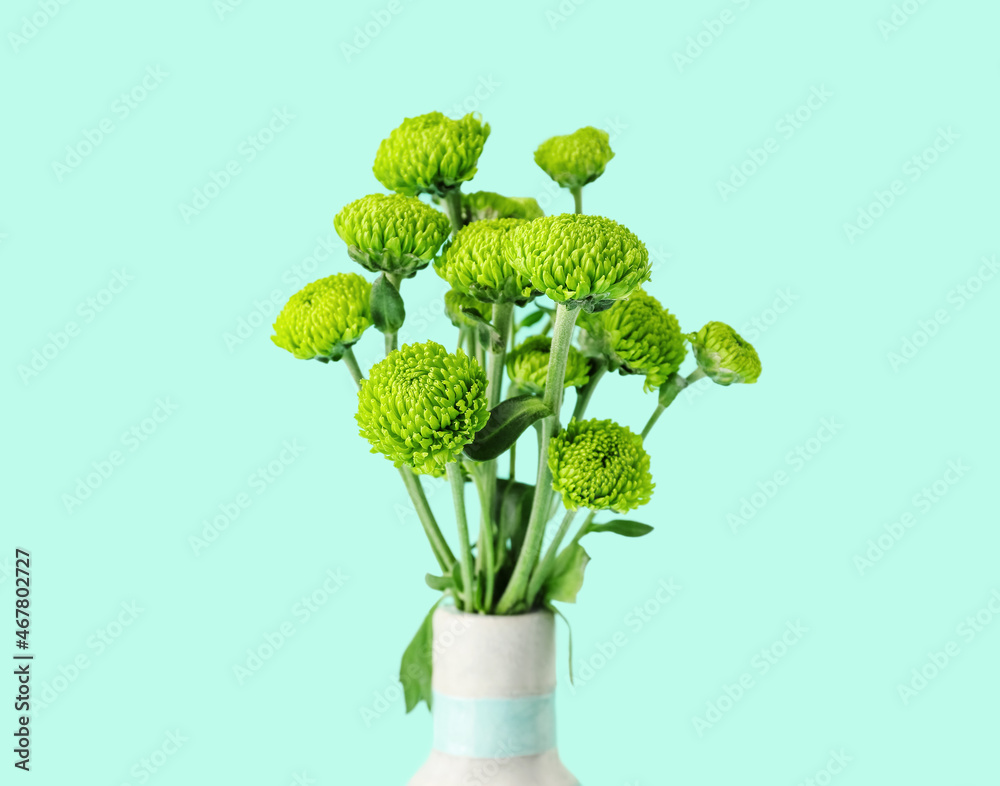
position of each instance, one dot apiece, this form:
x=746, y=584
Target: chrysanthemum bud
x=392, y=233
x=324, y=317
x=724, y=355
x=600, y=465
x=430, y=153
x=638, y=336
x=589, y=260
x=457, y=303
x=484, y=205
x=473, y=262
x=528, y=365
x=421, y=405
x=575, y=159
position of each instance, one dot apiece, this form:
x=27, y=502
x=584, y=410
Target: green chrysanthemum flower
x=724, y=355
x=421, y=405
x=392, y=233
x=589, y=260
x=639, y=336
x=457, y=303
x=528, y=365
x=473, y=262
x=430, y=153
x=575, y=159
x=484, y=205
x=600, y=465
x=325, y=317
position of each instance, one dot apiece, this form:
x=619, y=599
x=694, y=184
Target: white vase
x=494, y=686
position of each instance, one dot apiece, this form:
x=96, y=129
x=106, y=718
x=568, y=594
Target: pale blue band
x=494, y=728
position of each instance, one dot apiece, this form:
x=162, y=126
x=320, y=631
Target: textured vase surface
x=494, y=702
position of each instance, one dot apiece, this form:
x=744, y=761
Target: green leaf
x=569, y=630
x=507, y=422
x=417, y=666
x=439, y=583
x=531, y=319
x=512, y=511
x=567, y=576
x=630, y=529
x=386, y=305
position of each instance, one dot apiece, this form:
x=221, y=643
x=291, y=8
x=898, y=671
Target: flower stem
x=583, y=394
x=453, y=205
x=458, y=494
x=352, y=365
x=562, y=337
x=391, y=339
x=584, y=529
x=544, y=568
x=577, y=192
x=438, y=544
x=668, y=392
x=502, y=316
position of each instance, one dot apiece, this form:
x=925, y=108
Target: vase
x=493, y=685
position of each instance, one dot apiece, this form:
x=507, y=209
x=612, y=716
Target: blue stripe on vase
x=494, y=728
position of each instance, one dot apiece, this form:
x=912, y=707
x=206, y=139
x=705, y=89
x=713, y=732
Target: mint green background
x=339, y=508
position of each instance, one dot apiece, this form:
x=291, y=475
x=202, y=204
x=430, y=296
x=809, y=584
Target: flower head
x=457, y=303
x=575, y=159
x=590, y=260
x=481, y=205
x=473, y=262
x=325, y=317
x=724, y=355
x=528, y=365
x=421, y=405
x=600, y=465
x=639, y=335
x=391, y=233
x=430, y=153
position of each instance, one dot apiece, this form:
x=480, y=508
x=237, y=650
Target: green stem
x=391, y=339
x=458, y=494
x=485, y=554
x=584, y=529
x=544, y=568
x=453, y=205
x=562, y=337
x=583, y=394
x=577, y=198
x=502, y=316
x=513, y=462
x=461, y=337
x=439, y=545
x=352, y=365
x=668, y=392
